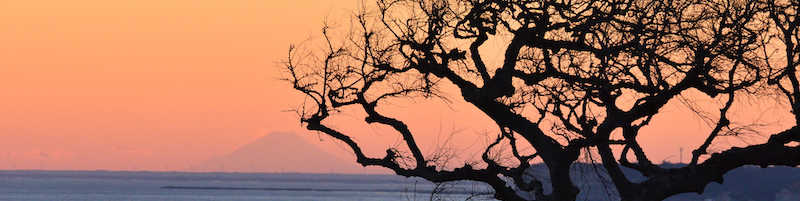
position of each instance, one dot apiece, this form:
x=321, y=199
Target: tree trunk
x=563, y=188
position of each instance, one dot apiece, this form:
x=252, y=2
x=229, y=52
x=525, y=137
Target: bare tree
x=565, y=61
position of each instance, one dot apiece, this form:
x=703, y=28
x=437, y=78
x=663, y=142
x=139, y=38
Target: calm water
x=173, y=186
x=780, y=184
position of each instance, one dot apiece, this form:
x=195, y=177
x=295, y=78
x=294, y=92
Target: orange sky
x=163, y=84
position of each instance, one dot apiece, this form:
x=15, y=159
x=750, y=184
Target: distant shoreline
x=196, y=172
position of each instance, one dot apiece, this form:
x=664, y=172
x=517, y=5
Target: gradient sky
x=164, y=84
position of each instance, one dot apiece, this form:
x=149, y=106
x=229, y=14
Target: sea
x=31, y=185
x=746, y=183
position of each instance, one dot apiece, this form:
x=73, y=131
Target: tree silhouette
x=568, y=62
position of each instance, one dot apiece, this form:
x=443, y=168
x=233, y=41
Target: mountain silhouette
x=281, y=153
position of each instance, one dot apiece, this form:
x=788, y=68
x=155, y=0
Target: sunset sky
x=165, y=84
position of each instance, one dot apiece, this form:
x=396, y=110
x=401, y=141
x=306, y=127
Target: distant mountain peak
x=280, y=152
